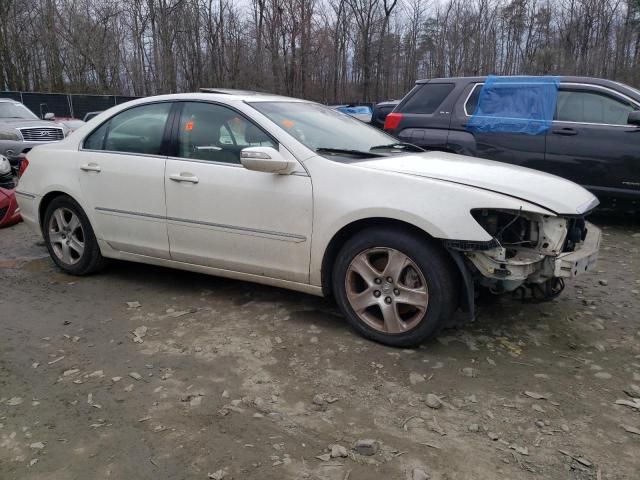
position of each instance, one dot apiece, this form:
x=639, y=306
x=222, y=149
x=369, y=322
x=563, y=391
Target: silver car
x=21, y=130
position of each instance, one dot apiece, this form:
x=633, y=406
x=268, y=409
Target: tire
x=70, y=239
x=400, y=295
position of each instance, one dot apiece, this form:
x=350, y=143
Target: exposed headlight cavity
x=510, y=228
x=516, y=229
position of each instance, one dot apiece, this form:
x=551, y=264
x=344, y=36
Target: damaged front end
x=530, y=253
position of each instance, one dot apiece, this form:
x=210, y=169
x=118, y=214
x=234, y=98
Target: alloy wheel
x=387, y=290
x=66, y=236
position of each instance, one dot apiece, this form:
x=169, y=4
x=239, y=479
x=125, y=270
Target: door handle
x=184, y=177
x=565, y=131
x=90, y=167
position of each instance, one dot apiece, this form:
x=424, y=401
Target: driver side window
x=216, y=133
x=591, y=107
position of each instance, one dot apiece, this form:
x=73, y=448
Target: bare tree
x=327, y=50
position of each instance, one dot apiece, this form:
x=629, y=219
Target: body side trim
x=288, y=237
x=25, y=194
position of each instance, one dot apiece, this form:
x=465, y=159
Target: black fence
x=65, y=105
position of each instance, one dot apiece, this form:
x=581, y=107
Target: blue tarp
x=358, y=110
x=515, y=105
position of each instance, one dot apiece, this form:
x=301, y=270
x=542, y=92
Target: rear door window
x=427, y=98
x=135, y=130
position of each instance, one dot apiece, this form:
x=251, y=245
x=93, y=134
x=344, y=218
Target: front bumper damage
x=533, y=266
x=530, y=255
x=532, y=276
x=571, y=264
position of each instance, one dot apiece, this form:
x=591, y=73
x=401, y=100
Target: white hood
x=556, y=194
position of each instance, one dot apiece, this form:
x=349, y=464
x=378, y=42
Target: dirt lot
x=225, y=379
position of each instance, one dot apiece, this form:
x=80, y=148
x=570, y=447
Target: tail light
x=392, y=121
x=23, y=166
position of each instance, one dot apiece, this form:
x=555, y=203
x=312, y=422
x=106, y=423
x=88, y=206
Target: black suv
x=380, y=112
x=594, y=139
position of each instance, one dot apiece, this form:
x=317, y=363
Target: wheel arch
x=49, y=197
x=353, y=228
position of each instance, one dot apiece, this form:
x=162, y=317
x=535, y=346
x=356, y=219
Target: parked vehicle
x=380, y=112
x=222, y=184
x=71, y=123
x=360, y=112
x=6, y=173
x=21, y=130
x=594, y=139
x=9, y=211
x=89, y=115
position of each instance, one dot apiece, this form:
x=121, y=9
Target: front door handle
x=90, y=167
x=184, y=177
x=565, y=131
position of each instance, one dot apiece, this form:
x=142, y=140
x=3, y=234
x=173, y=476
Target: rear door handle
x=90, y=167
x=184, y=177
x=565, y=131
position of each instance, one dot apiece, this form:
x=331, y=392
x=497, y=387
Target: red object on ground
x=9, y=211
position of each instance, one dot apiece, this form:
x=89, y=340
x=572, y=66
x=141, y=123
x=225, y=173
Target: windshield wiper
x=361, y=153
x=400, y=146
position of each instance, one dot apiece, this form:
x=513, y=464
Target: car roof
x=566, y=79
x=231, y=91
x=218, y=95
x=602, y=82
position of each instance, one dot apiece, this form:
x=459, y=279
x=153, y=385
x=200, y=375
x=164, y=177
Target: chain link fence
x=65, y=105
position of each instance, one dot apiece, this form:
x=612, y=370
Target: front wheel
x=70, y=239
x=395, y=287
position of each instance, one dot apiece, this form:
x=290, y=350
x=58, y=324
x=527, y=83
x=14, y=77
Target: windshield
x=321, y=128
x=16, y=110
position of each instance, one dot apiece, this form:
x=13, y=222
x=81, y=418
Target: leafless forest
x=327, y=50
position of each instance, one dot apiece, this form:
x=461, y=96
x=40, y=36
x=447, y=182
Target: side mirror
x=49, y=116
x=634, y=118
x=264, y=159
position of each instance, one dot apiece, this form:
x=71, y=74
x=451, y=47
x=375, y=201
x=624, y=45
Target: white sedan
x=290, y=193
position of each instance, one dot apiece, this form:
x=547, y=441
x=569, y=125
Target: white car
x=290, y=193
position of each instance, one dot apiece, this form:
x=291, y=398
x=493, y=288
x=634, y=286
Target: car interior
x=207, y=135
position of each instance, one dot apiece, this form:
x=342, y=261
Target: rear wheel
x=395, y=287
x=70, y=239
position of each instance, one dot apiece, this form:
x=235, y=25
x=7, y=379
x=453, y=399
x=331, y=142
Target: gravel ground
x=149, y=373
